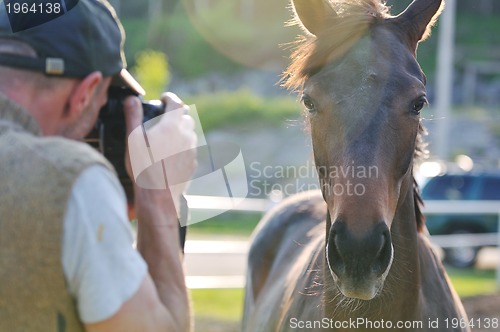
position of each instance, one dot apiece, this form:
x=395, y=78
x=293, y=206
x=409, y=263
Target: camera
x=108, y=134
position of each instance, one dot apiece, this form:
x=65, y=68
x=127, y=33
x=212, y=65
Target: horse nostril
x=354, y=255
x=335, y=260
x=384, y=254
x=382, y=242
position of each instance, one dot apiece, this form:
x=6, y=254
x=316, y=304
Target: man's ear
x=83, y=94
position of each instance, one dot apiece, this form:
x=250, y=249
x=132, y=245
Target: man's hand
x=171, y=141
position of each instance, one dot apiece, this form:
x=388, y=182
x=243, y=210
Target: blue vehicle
x=470, y=186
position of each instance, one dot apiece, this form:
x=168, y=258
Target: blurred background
x=226, y=57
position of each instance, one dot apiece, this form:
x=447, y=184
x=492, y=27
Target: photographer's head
x=60, y=71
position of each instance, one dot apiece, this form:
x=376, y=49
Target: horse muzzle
x=359, y=264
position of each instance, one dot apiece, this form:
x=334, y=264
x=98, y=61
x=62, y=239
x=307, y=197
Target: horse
x=354, y=255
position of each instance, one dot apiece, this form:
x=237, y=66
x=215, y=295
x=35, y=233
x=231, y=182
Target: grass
x=227, y=304
x=239, y=224
x=470, y=282
x=244, y=110
x=220, y=304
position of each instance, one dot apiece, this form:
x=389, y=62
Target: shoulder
x=41, y=171
x=100, y=181
x=65, y=153
x=65, y=156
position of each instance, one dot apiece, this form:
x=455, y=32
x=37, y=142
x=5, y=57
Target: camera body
x=108, y=137
x=108, y=134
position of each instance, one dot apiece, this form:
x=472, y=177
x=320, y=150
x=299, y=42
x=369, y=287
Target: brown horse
x=373, y=268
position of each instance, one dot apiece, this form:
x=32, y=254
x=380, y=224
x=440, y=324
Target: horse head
x=363, y=91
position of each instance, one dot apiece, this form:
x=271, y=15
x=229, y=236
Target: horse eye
x=419, y=104
x=308, y=103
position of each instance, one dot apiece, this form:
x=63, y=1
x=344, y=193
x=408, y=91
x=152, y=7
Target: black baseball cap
x=85, y=36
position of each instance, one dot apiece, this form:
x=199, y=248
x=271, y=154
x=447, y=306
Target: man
x=66, y=256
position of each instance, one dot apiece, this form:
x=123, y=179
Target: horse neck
x=404, y=233
x=399, y=297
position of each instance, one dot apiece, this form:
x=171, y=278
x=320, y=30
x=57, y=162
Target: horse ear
x=312, y=15
x=419, y=18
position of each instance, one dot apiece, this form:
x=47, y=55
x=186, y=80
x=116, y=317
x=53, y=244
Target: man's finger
x=187, y=123
x=133, y=113
x=173, y=102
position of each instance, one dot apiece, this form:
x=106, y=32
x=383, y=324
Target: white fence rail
x=460, y=240
x=431, y=207
x=465, y=240
x=465, y=207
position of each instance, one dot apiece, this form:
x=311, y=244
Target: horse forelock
x=352, y=19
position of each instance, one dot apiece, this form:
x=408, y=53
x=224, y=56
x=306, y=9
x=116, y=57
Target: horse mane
x=352, y=20
x=420, y=153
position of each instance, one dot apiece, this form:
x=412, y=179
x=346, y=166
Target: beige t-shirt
x=102, y=268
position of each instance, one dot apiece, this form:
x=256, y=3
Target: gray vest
x=36, y=177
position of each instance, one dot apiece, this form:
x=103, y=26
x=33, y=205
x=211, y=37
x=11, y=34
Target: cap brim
x=125, y=79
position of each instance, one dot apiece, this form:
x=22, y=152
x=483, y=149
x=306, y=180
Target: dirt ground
x=482, y=307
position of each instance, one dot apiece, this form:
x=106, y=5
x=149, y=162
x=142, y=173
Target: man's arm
x=144, y=311
x=158, y=243
x=161, y=303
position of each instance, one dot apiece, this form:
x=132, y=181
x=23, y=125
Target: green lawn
x=227, y=304
x=244, y=110
x=221, y=304
x=470, y=282
x=238, y=224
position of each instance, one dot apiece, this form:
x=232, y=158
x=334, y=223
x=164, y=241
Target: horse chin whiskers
x=352, y=304
x=349, y=304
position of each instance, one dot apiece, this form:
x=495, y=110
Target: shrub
x=151, y=70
